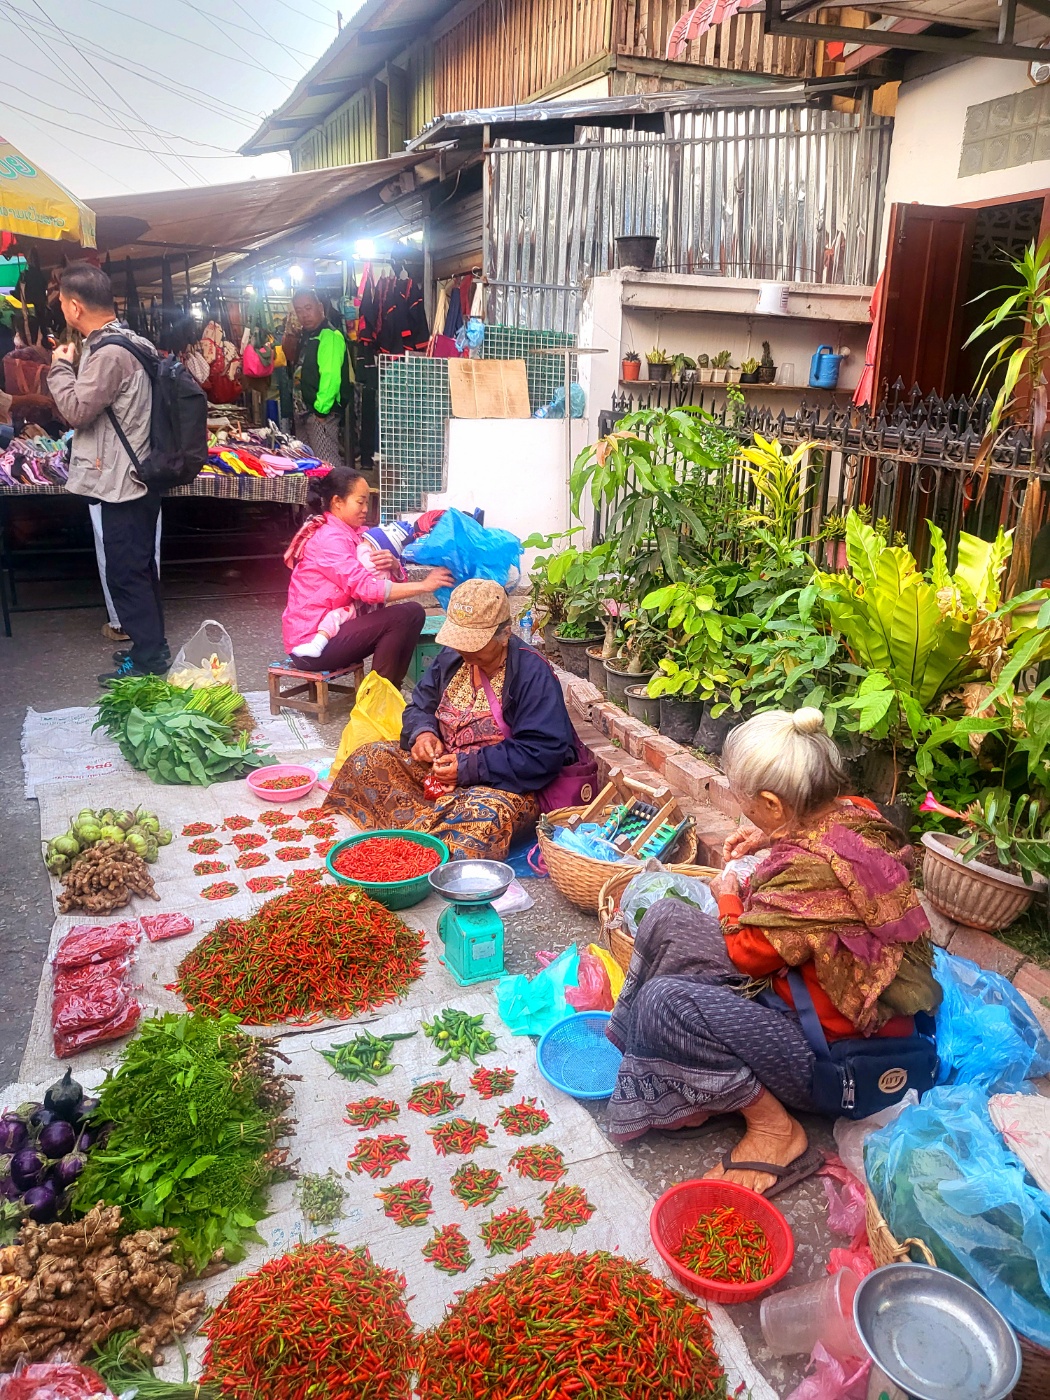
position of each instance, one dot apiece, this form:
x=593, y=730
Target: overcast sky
x=112, y=96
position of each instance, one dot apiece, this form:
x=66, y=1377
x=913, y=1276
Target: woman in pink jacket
x=326, y=576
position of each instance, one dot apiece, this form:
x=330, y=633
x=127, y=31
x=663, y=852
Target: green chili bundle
x=320, y=1321
x=365, y=1057
x=583, y=1325
x=456, y=1034
x=329, y=951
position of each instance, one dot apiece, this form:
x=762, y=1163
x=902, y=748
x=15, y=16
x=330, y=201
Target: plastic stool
x=310, y=691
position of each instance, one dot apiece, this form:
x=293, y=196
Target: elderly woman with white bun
x=832, y=898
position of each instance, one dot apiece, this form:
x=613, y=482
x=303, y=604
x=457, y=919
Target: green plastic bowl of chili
x=258, y=779
x=392, y=894
x=678, y=1210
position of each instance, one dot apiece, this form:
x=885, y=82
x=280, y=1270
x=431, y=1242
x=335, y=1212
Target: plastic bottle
x=525, y=627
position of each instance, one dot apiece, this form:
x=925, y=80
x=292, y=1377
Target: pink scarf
x=303, y=535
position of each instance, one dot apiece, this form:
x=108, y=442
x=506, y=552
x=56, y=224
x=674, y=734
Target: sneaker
x=114, y=634
x=125, y=668
x=122, y=653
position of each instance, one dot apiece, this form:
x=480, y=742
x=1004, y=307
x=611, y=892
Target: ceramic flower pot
x=658, y=372
x=631, y=369
x=977, y=895
x=574, y=654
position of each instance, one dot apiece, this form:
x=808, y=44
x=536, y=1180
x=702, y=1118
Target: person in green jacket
x=322, y=380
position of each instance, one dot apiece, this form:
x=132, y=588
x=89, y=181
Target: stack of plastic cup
x=795, y=1320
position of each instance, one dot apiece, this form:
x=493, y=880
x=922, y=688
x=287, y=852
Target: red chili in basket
x=725, y=1245
x=290, y=780
x=523, y=1119
x=510, y=1232
x=448, y=1250
x=222, y=889
x=491, y=1083
x=459, y=1135
x=408, y=1202
x=541, y=1161
x=433, y=1098
x=248, y=840
x=378, y=1156
x=386, y=858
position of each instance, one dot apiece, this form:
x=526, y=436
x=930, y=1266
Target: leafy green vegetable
x=196, y=1111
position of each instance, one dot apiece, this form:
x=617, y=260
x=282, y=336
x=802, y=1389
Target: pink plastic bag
x=831, y=1380
x=593, y=992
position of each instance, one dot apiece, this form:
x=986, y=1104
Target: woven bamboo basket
x=619, y=942
x=579, y=878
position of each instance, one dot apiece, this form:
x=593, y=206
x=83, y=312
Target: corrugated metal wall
x=785, y=193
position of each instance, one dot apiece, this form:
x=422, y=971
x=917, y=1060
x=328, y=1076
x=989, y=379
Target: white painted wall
x=928, y=131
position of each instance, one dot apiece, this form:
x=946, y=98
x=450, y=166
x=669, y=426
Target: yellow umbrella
x=34, y=205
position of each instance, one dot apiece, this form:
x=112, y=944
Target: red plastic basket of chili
x=381, y=853
x=677, y=1212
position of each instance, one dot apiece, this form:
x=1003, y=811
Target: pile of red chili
x=324, y=950
x=540, y=1162
x=378, y=1156
x=290, y=780
x=582, y=1325
x=370, y=1112
x=523, y=1119
x=565, y=1208
x=510, y=1232
x=386, y=858
x=448, y=1250
x=322, y=1320
x=407, y=1202
x=433, y=1098
x=476, y=1186
x=491, y=1083
x=459, y=1135
x=727, y=1246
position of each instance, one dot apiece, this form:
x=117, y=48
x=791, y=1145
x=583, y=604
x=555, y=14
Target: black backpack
x=178, y=432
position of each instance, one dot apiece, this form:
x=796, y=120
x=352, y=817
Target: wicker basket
x=1035, y=1371
x=619, y=942
x=579, y=878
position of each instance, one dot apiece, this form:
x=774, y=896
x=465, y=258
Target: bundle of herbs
x=194, y=1112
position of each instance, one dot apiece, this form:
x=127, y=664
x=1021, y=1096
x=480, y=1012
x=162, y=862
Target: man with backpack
x=139, y=425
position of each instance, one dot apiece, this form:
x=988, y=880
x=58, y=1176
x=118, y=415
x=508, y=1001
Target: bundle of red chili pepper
x=370, y=1112
x=433, y=1098
x=290, y=780
x=265, y=884
x=476, y=1186
x=272, y=817
x=198, y=829
x=523, y=1119
x=320, y=831
x=540, y=1162
x=251, y=860
x=204, y=846
x=324, y=950
x=585, y=1325
x=210, y=867
x=565, y=1208
x=286, y=833
x=292, y=852
x=308, y=814
x=510, y=1232
x=237, y=823
x=385, y=858
x=222, y=889
x=491, y=1083
x=248, y=840
x=448, y=1250
x=321, y=1321
x=407, y=1202
x=378, y=1156
x=305, y=879
x=728, y=1246
x=458, y=1135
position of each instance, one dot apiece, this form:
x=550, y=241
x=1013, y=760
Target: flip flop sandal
x=800, y=1169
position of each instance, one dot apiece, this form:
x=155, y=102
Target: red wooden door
x=926, y=274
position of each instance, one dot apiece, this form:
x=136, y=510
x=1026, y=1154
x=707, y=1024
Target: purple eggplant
x=13, y=1135
x=67, y=1169
x=87, y=1139
x=27, y=1167
x=8, y=1190
x=56, y=1139
x=42, y=1118
x=65, y=1098
x=42, y=1203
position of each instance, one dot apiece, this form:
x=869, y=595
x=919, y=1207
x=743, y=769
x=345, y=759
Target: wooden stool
x=315, y=684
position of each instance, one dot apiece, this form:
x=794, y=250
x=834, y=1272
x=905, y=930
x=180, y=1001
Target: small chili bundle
x=476, y=1186
x=251, y=860
x=210, y=867
x=265, y=884
x=448, y=1250
x=222, y=889
x=510, y=1232
x=378, y=1156
x=286, y=833
x=565, y=1208
x=369, y=1113
x=433, y=1098
x=248, y=840
x=587, y=1325
x=386, y=858
x=308, y=814
x=458, y=1034
x=523, y=1119
x=320, y=831
x=492, y=1083
x=728, y=1246
x=458, y=1135
x=541, y=1161
x=365, y=1057
x=285, y=784
x=272, y=817
x=305, y=879
x=198, y=829
x=204, y=846
x=292, y=853
x=328, y=950
x=323, y=1320
x=407, y=1202
x=237, y=823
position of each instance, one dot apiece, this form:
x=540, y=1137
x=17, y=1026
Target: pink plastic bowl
x=282, y=770
x=679, y=1208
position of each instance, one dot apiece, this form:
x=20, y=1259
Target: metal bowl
x=935, y=1336
x=471, y=881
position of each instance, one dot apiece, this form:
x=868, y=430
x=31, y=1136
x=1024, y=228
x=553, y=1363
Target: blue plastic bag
x=556, y=407
x=468, y=550
x=987, y=1033
x=532, y=1007
x=941, y=1173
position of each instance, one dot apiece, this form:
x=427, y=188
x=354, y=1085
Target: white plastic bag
x=206, y=659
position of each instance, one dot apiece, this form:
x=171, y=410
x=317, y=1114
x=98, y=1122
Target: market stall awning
x=33, y=205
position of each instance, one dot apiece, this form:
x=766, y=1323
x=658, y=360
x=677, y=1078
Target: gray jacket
x=107, y=378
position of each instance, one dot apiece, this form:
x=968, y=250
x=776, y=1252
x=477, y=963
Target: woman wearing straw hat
x=486, y=730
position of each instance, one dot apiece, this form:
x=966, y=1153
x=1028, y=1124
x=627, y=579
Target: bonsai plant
x=721, y=363
x=749, y=371
x=767, y=370
x=631, y=365
x=659, y=364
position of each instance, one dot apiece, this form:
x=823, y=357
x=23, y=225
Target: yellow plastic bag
x=612, y=967
x=376, y=716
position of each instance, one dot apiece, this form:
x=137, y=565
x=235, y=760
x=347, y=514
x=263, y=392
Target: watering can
x=824, y=368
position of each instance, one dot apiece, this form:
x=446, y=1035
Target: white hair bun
x=807, y=721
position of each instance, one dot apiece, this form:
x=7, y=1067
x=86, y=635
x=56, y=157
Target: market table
x=289, y=490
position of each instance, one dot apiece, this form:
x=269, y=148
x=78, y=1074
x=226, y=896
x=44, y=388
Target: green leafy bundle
x=196, y=1110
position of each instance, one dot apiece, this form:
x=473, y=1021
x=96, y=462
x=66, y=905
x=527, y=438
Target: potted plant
x=635, y=659
x=659, y=364
x=572, y=640
x=631, y=366
x=721, y=364
x=767, y=370
x=641, y=705
x=683, y=368
x=833, y=533
x=703, y=369
x=749, y=371
x=987, y=878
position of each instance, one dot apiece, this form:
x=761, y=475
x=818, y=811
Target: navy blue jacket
x=542, y=740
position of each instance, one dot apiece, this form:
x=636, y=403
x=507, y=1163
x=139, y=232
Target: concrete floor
x=52, y=661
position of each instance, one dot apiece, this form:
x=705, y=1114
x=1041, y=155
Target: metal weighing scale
x=470, y=928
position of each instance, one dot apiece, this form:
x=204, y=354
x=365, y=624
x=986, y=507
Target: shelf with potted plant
x=630, y=367
x=658, y=364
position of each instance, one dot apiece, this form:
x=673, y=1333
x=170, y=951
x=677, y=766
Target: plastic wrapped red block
x=79, y=979
x=93, y=943
x=158, y=926
x=72, y=1043
x=54, y=1380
